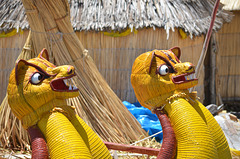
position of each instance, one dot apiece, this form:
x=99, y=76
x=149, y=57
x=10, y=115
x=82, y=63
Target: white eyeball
x=163, y=70
x=36, y=78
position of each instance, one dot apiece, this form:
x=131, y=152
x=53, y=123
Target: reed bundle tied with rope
x=97, y=104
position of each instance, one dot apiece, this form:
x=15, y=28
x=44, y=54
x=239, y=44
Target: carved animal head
x=35, y=83
x=157, y=74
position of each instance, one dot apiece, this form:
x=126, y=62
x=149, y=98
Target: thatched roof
x=192, y=15
x=231, y=4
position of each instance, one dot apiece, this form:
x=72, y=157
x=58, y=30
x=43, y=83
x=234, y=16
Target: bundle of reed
x=146, y=142
x=97, y=104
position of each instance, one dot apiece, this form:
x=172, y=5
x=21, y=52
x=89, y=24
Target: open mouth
x=187, y=77
x=64, y=84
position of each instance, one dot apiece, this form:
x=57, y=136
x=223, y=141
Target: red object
x=134, y=149
x=207, y=39
x=167, y=151
x=169, y=143
x=38, y=143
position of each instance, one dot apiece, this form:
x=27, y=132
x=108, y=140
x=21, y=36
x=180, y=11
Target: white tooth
x=71, y=80
x=65, y=81
x=74, y=88
x=70, y=87
x=190, y=76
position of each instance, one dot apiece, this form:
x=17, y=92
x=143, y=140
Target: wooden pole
x=206, y=42
x=213, y=51
x=132, y=149
x=207, y=39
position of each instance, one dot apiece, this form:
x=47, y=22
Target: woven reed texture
x=97, y=104
x=62, y=138
x=13, y=134
x=192, y=123
x=10, y=49
x=97, y=147
x=191, y=15
x=114, y=56
x=169, y=143
x=215, y=130
x=228, y=60
x=191, y=127
x=38, y=143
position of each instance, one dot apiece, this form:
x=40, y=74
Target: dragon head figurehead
x=36, y=86
x=158, y=74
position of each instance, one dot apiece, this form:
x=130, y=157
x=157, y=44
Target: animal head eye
x=36, y=78
x=163, y=70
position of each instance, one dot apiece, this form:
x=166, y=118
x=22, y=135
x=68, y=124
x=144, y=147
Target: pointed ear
x=44, y=54
x=152, y=59
x=19, y=65
x=176, y=51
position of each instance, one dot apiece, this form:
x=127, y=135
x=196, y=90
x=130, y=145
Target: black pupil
x=166, y=69
x=39, y=77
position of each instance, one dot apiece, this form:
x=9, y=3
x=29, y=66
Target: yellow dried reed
x=12, y=133
x=97, y=104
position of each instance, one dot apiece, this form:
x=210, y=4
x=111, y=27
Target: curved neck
x=33, y=117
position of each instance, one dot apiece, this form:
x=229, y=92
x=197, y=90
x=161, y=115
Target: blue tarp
x=146, y=118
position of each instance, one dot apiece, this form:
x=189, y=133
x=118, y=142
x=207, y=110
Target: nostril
x=70, y=70
x=190, y=68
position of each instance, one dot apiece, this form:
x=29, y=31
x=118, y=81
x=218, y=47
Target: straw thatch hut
x=228, y=59
x=116, y=32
